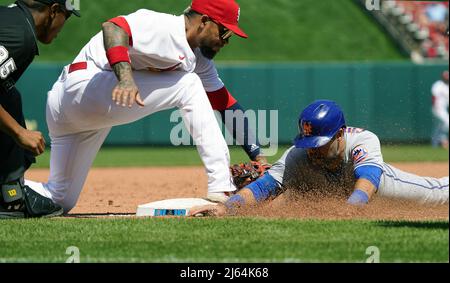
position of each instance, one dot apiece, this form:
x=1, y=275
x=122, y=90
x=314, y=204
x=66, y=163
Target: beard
x=332, y=162
x=331, y=165
x=208, y=52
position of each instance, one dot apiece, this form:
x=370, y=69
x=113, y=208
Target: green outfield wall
x=391, y=99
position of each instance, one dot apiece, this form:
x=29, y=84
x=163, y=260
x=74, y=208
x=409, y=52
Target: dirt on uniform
x=121, y=190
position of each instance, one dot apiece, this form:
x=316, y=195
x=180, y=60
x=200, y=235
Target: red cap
x=225, y=12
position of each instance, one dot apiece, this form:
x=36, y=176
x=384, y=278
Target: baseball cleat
x=40, y=206
x=8, y=214
x=29, y=205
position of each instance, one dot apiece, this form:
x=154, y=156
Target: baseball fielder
x=344, y=160
x=439, y=91
x=140, y=64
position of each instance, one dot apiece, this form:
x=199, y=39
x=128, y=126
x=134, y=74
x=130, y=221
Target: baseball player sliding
x=140, y=64
x=344, y=160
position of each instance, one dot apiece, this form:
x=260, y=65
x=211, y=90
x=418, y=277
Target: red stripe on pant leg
x=221, y=99
x=122, y=23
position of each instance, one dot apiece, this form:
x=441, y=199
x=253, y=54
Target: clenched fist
x=31, y=140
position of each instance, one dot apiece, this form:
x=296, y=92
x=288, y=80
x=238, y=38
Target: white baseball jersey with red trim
x=157, y=43
x=80, y=110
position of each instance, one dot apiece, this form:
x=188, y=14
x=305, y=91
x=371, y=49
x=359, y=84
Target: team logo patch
x=307, y=129
x=12, y=193
x=359, y=154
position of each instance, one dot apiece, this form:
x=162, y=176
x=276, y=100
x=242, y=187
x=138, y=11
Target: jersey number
x=7, y=67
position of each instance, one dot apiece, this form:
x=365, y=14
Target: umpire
x=22, y=24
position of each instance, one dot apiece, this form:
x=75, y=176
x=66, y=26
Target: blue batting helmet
x=318, y=123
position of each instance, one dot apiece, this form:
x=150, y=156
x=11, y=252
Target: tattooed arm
x=126, y=91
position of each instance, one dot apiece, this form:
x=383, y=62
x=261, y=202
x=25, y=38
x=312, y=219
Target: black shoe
x=39, y=206
x=10, y=214
x=11, y=201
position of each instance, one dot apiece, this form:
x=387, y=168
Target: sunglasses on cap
x=224, y=33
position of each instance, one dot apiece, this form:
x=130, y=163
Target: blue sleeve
x=370, y=173
x=359, y=197
x=264, y=187
x=252, y=150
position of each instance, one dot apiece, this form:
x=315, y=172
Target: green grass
x=221, y=240
x=279, y=30
x=188, y=156
x=413, y=153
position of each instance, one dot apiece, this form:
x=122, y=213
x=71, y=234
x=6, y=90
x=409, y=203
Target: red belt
x=77, y=66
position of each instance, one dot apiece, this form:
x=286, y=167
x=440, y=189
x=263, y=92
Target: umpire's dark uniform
x=18, y=46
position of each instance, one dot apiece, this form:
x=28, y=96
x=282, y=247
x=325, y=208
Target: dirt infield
x=121, y=190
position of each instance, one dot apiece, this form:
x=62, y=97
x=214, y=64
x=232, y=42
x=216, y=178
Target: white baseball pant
x=80, y=114
x=402, y=185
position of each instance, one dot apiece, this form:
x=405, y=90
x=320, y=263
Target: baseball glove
x=245, y=173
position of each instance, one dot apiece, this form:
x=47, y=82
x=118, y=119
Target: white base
x=171, y=207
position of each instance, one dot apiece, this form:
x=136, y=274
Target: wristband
x=118, y=54
x=358, y=197
x=233, y=203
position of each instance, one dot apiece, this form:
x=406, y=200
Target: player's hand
x=31, y=140
x=216, y=210
x=126, y=93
